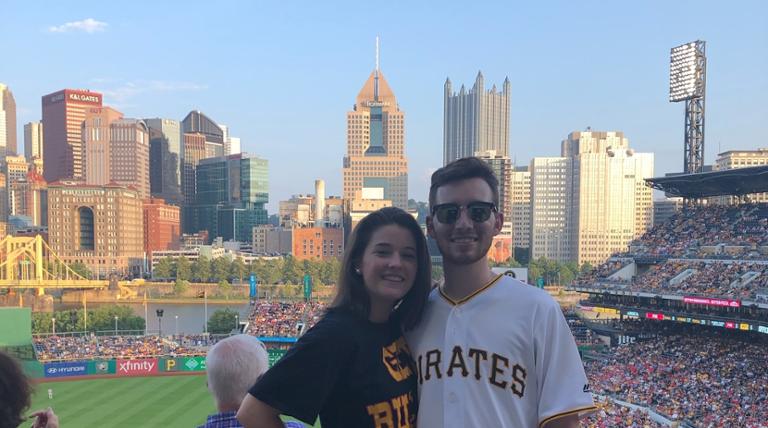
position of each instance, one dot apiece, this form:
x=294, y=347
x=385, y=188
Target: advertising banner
x=275, y=355
x=101, y=367
x=252, y=289
x=712, y=302
x=69, y=368
x=182, y=364
x=141, y=367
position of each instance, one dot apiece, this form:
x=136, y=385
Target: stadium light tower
x=159, y=313
x=687, y=82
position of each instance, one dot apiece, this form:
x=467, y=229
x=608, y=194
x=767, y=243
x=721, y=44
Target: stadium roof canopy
x=732, y=182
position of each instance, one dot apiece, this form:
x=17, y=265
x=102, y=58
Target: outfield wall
x=16, y=326
x=125, y=367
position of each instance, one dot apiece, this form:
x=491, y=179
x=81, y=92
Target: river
x=177, y=318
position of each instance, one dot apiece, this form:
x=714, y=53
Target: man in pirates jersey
x=490, y=351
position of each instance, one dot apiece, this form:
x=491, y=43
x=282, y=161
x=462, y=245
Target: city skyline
x=277, y=62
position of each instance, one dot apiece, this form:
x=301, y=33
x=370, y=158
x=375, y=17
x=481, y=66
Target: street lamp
x=53, y=325
x=159, y=313
x=177, y=325
x=116, y=325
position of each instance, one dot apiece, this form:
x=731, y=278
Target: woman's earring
x=357, y=271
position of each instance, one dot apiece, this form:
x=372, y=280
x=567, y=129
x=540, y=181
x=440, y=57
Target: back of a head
x=233, y=365
x=464, y=169
x=15, y=391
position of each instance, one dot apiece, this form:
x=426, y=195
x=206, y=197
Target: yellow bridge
x=27, y=262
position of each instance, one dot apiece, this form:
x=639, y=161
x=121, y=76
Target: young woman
x=353, y=368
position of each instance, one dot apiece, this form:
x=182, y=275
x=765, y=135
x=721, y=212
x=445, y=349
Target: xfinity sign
x=137, y=367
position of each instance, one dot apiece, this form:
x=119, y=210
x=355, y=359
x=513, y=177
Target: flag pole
x=205, y=321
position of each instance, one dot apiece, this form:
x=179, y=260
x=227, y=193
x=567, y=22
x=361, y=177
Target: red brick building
x=318, y=243
x=162, y=226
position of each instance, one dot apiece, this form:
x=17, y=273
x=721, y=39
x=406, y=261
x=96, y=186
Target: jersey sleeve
x=563, y=386
x=300, y=383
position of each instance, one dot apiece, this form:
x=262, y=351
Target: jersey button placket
x=453, y=414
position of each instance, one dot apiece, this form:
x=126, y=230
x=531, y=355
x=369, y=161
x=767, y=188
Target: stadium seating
x=714, y=251
x=707, y=380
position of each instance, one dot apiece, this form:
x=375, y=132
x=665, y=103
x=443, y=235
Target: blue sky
x=282, y=75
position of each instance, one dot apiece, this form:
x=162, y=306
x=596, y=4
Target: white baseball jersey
x=501, y=357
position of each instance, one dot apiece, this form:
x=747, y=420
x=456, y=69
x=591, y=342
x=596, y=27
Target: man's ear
x=430, y=227
x=499, y=223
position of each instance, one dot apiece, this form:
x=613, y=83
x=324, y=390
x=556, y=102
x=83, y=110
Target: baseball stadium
x=672, y=331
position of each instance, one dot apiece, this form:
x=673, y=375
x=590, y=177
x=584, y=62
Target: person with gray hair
x=232, y=366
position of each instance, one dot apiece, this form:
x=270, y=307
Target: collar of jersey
x=468, y=298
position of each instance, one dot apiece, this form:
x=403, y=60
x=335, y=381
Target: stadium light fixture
x=686, y=71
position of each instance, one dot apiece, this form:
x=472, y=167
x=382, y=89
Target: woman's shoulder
x=335, y=320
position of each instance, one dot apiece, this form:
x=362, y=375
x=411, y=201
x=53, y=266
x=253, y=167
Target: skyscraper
x=502, y=167
x=193, y=151
x=7, y=122
x=376, y=144
x=165, y=159
x=63, y=116
x=33, y=141
x=592, y=201
x=198, y=123
x=97, y=144
x=99, y=226
x=611, y=204
x=521, y=207
x=231, y=195
x=29, y=198
x=550, y=206
x=475, y=121
x=129, y=154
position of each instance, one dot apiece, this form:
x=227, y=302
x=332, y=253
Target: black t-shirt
x=348, y=370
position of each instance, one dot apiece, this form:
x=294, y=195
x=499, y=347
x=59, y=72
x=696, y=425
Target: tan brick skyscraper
x=376, y=144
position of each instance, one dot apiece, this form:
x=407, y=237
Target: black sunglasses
x=478, y=211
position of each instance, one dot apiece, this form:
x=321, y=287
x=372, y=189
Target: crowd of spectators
x=708, y=278
x=267, y=319
x=581, y=333
x=684, y=234
x=62, y=348
x=707, y=380
x=282, y=319
x=609, y=415
x=602, y=272
x=714, y=278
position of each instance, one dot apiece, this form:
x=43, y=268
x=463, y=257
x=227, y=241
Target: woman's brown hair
x=351, y=293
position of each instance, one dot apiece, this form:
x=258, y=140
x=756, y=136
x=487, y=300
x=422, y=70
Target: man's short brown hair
x=464, y=169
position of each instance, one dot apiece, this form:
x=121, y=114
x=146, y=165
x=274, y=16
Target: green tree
x=220, y=269
x=225, y=287
x=586, y=267
x=222, y=321
x=437, y=273
x=291, y=271
x=238, y=269
x=201, y=269
x=99, y=319
x=273, y=271
x=183, y=269
x=80, y=269
x=180, y=286
x=163, y=268
x=329, y=271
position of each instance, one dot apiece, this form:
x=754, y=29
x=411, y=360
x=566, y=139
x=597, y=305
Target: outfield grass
x=168, y=401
